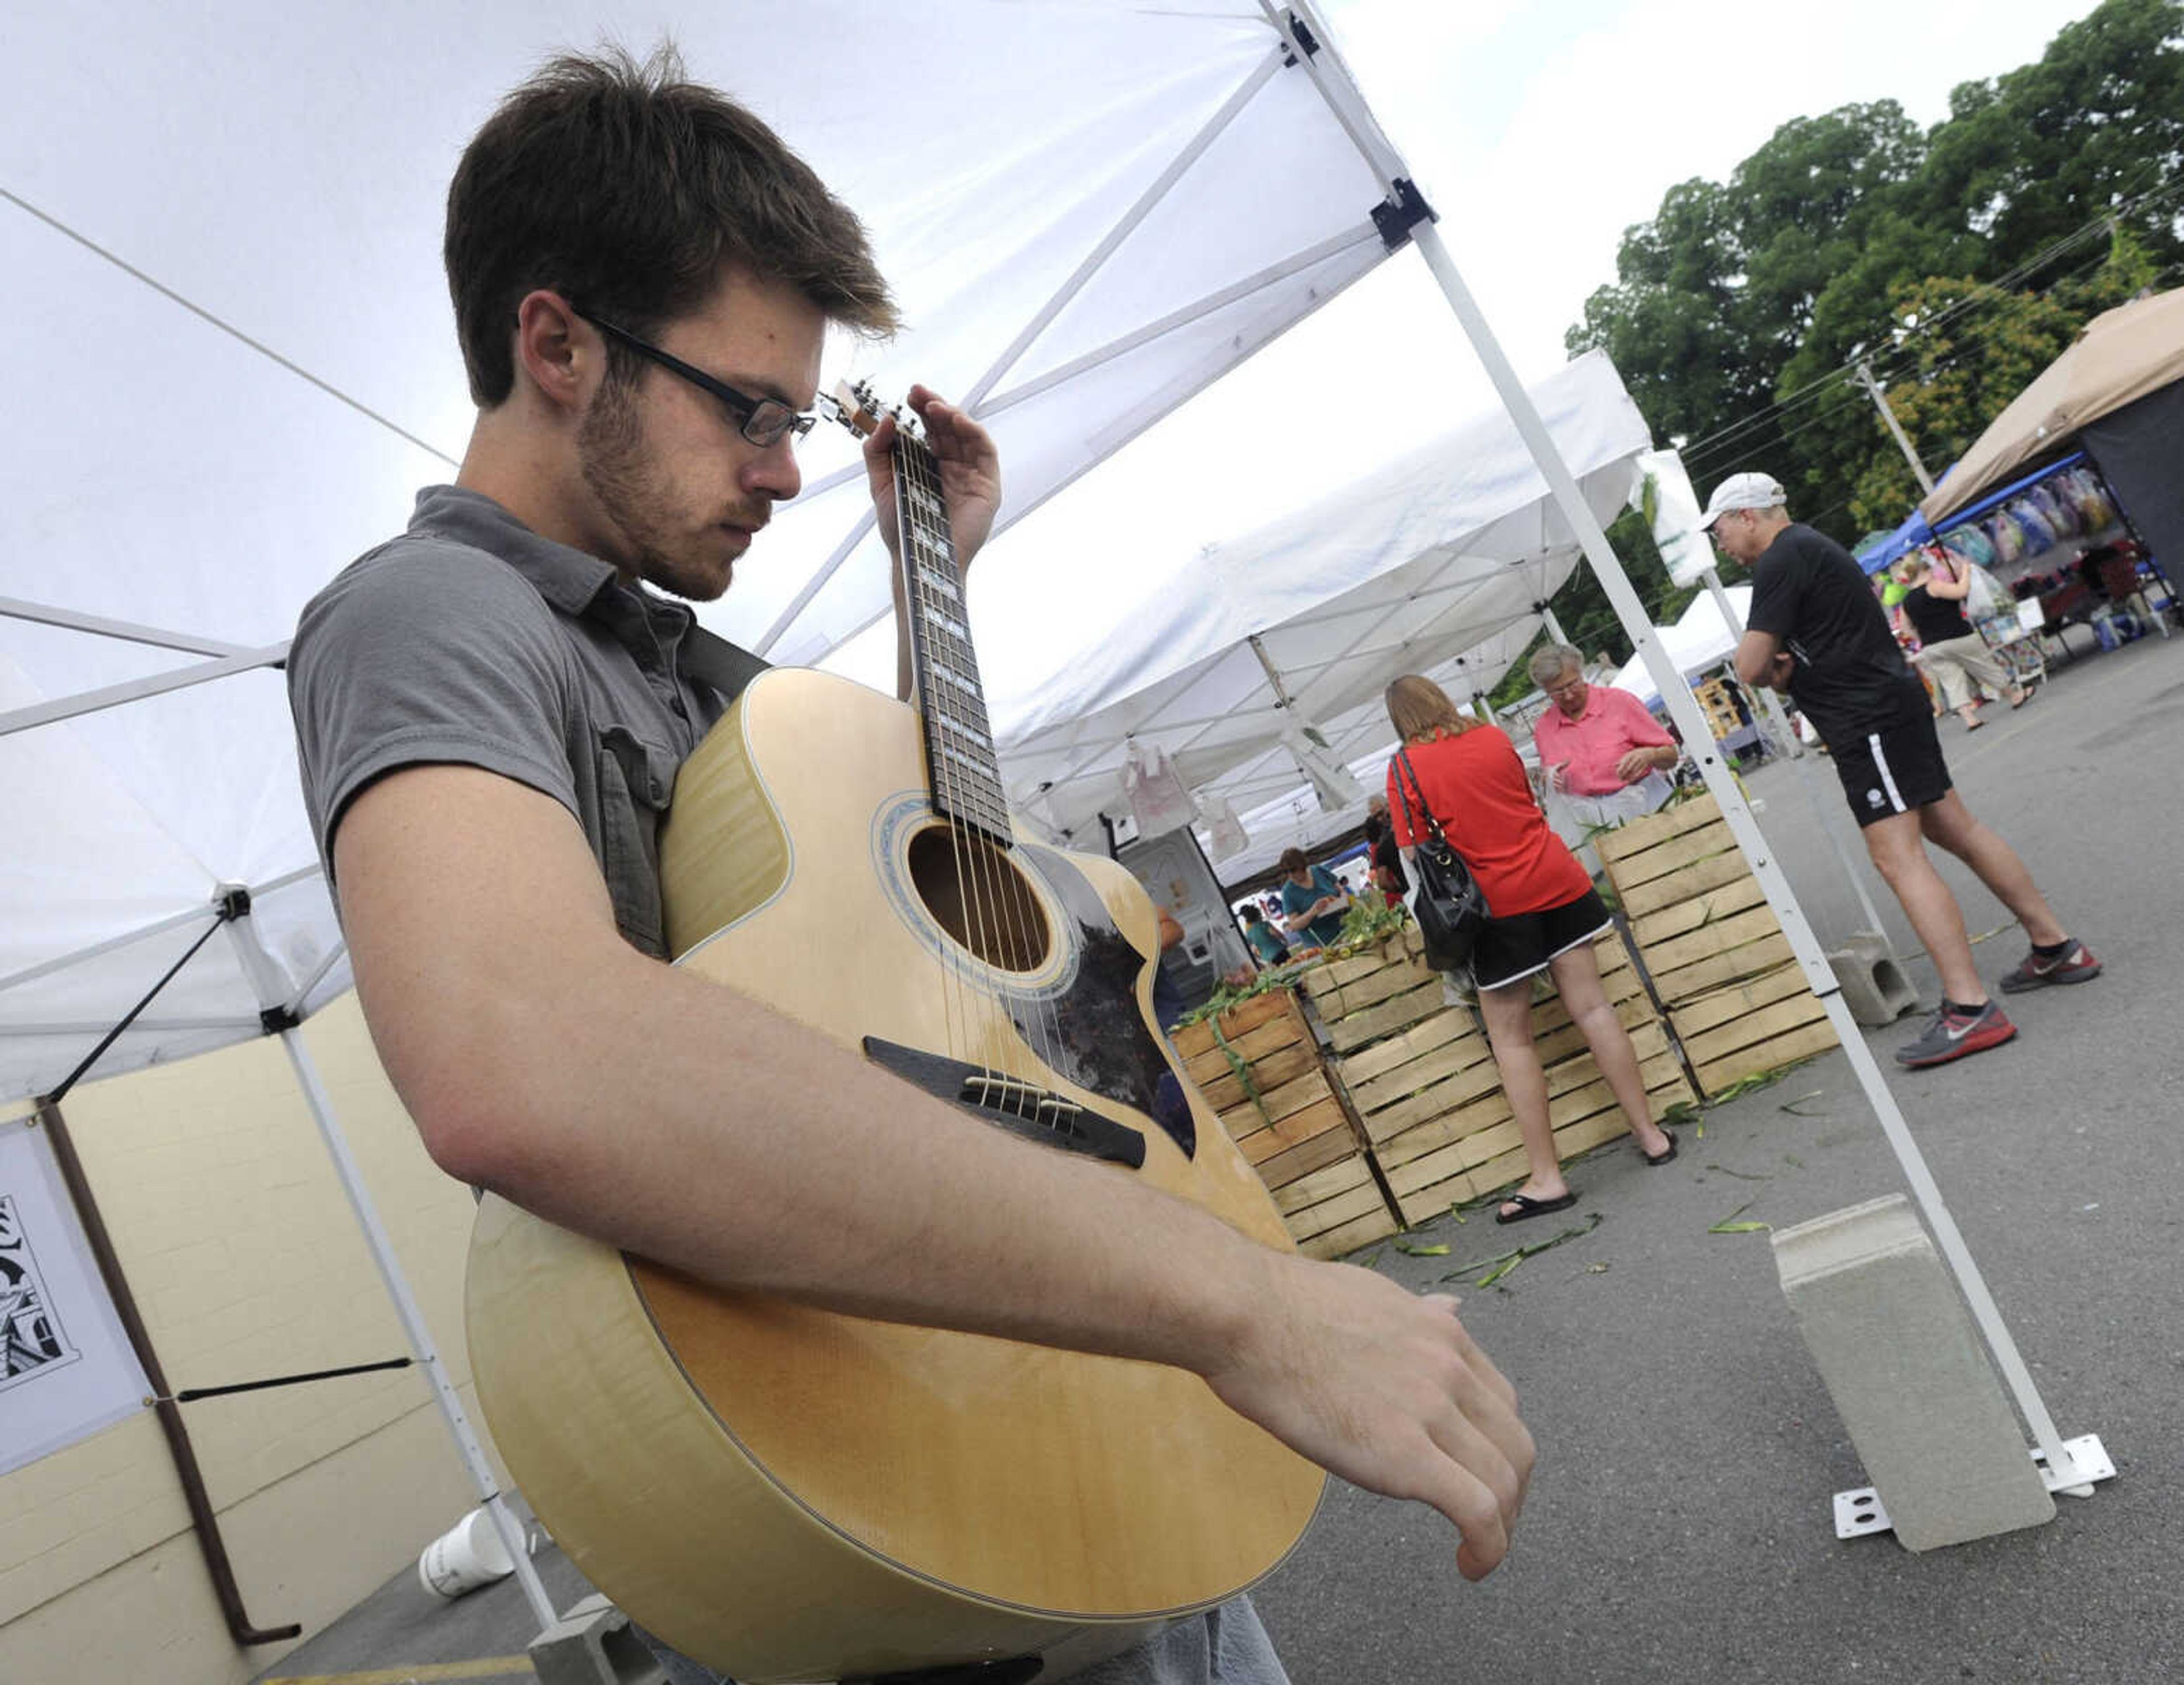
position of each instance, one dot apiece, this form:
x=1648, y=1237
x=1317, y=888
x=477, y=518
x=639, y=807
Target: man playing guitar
x=491, y=709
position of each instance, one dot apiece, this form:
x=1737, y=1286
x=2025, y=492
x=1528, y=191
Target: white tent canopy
x=1435, y=564
x=1699, y=641
x=232, y=362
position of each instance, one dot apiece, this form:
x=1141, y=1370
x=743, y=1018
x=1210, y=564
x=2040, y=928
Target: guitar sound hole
x=975, y=893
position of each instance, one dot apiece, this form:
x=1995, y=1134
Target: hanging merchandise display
x=1229, y=838
x=1158, y=799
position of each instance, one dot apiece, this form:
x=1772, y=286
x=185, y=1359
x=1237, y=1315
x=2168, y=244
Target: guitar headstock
x=859, y=409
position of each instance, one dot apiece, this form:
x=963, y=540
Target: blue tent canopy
x=1914, y=531
x=1905, y=539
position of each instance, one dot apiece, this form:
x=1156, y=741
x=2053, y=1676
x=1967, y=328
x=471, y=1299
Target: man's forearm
x=704, y=1157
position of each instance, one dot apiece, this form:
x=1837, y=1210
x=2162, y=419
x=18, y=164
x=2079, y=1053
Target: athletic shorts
x=1894, y=770
x=1516, y=947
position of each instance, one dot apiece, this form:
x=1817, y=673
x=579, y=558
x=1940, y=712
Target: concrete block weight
x=1874, y=985
x=1908, y=1375
x=592, y=1644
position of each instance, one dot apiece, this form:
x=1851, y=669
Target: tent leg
x=273, y=993
x=1563, y=486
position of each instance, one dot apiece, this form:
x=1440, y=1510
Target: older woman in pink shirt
x=1596, y=741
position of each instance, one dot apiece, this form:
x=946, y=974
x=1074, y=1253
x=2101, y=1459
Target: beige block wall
x=247, y=1261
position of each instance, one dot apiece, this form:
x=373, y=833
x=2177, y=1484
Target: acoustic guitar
x=786, y=1493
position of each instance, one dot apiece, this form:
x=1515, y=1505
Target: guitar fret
x=960, y=763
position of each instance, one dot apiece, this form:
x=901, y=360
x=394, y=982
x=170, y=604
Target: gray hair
x=1550, y=661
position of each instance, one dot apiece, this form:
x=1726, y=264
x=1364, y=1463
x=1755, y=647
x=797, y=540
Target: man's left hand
x=1636, y=764
x=969, y=473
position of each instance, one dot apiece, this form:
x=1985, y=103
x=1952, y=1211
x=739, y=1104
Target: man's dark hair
x=629, y=190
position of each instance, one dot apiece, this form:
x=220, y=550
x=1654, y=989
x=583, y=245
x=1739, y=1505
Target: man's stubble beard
x=617, y=470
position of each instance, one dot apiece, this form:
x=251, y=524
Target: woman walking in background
x=1545, y=914
x=1950, y=647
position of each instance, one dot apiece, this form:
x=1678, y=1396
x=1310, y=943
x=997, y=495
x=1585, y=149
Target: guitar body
x=789, y=1494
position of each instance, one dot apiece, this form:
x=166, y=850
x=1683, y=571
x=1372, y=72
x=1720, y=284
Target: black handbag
x=1451, y=908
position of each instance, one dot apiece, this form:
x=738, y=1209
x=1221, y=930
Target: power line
x=2007, y=308
x=1984, y=293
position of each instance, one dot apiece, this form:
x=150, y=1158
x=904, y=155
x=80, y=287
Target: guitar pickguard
x=1104, y=1036
x=1079, y=1010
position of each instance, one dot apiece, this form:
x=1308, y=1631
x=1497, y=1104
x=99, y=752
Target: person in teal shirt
x=1266, y=941
x=1313, y=900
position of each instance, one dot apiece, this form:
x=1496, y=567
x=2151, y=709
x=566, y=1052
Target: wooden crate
x=1282, y=1112
x=1734, y=994
x=1422, y=1082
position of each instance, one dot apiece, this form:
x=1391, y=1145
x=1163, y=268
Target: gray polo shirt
x=472, y=639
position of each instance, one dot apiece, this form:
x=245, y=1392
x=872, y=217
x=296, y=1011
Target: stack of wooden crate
x=1258, y=1065
x=1735, y=995
x=1720, y=706
x=1422, y=1079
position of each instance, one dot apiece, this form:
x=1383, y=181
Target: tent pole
x=1554, y=628
x=273, y=990
x=1772, y=704
x=15, y=609
x=90, y=702
x=1562, y=485
x=1044, y=317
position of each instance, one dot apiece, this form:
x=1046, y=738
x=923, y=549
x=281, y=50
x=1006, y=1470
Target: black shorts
x=1523, y=943
x=1895, y=769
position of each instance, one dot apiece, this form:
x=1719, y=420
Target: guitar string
x=994, y=880
x=978, y=928
x=956, y=995
x=982, y=1040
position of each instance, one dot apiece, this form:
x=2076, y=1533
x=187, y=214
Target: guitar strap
x=711, y=659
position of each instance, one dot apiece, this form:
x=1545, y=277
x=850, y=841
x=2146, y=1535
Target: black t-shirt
x=1851, y=677
x=1937, y=620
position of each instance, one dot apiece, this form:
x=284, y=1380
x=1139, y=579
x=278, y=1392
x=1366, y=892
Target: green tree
x=1986, y=349
x=1740, y=310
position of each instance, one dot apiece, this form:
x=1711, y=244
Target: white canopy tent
x=1125, y=201
x=1438, y=563
x=226, y=379
x=1701, y=639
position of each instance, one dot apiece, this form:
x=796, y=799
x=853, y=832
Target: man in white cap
x=1817, y=630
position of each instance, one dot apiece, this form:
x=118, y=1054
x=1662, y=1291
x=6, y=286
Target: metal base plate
x=1859, y=1513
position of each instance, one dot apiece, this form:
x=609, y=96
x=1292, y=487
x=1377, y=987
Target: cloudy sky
x=1538, y=132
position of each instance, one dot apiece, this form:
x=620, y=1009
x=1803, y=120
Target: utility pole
x=1873, y=389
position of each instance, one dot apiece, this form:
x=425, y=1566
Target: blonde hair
x=1419, y=709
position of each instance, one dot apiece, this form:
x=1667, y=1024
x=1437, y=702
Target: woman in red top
x=1545, y=914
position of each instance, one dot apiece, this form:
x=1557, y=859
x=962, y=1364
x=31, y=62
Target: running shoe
x=1955, y=1033
x=2076, y=963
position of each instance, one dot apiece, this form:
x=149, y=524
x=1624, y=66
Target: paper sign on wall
x=66, y=1368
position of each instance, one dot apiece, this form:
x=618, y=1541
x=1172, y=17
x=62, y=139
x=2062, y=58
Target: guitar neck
x=962, y=771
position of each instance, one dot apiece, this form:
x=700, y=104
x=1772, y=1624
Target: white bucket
x=466, y=1556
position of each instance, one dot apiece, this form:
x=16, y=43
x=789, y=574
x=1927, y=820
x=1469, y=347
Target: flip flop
x=1657, y=1159
x=1529, y=1207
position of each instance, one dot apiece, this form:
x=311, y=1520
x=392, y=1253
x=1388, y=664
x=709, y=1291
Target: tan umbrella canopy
x=2123, y=354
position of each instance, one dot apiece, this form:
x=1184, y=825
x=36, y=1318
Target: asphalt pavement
x=1679, y=1527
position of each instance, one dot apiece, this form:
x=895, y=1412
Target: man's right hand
x=1779, y=671
x=1387, y=1389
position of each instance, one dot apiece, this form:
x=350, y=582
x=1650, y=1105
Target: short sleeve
x=427, y=652
x=1777, y=588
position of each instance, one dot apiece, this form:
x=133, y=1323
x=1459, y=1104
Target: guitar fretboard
x=960, y=769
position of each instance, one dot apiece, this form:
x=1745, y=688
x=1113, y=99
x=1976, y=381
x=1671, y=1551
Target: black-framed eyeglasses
x=764, y=421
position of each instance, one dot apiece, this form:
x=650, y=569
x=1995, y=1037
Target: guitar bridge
x=1025, y=1108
